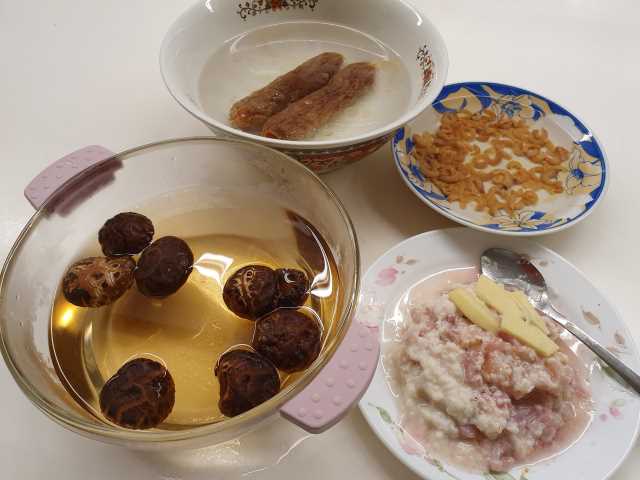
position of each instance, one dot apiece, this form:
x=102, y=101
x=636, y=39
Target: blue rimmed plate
x=585, y=179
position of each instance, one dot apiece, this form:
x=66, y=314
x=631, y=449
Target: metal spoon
x=509, y=268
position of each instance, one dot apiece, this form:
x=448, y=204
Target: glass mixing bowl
x=77, y=193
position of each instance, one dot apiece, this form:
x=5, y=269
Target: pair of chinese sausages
x=295, y=105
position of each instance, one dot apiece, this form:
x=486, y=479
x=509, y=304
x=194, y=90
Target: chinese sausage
x=303, y=118
x=251, y=113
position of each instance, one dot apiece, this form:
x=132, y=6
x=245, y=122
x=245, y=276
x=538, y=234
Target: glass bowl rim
x=109, y=432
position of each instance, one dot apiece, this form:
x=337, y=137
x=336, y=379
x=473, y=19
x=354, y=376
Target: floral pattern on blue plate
x=584, y=181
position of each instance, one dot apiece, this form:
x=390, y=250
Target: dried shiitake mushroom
x=98, y=281
x=247, y=379
x=249, y=292
x=139, y=396
x=127, y=233
x=164, y=267
x=289, y=338
x=292, y=287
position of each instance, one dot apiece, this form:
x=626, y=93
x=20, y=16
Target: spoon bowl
x=515, y=270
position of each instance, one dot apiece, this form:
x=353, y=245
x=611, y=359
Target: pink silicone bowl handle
x=339, y=385
x=56, y=175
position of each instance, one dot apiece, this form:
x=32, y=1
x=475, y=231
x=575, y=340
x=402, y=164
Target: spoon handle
x=629, y=376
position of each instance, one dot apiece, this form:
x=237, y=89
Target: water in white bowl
x=251, y=61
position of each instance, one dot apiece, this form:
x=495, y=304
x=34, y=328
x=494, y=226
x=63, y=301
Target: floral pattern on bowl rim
x=585, y=181
x=616, y=417
x=257, y=7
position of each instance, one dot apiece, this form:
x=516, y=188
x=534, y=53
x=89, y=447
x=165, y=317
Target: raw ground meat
x=470, y=395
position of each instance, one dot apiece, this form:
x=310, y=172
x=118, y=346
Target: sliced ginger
x=511, y=314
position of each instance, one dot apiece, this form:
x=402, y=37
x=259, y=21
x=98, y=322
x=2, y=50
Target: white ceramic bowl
x=255, y=41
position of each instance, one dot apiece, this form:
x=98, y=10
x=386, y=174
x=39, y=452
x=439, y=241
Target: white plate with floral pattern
x=615, y=418
x=584, y=180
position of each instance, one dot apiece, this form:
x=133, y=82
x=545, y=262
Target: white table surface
x=76, y=72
